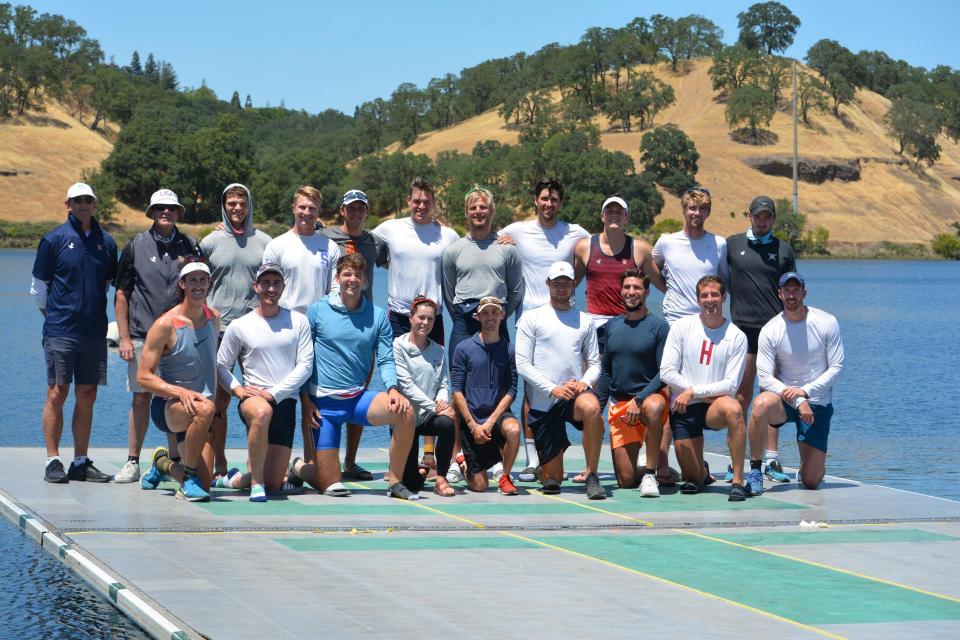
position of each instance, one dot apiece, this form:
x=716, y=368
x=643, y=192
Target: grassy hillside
x=889, y=203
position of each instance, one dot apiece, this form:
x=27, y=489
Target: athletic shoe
x=151, y=479
x=399, y=490
x=225, y=481
x=529, y=474
x=192, y=491
x=774, y=471
x=550, y=487
x=649, y=487
x=257, y=493
x=129, y=473
x=755, y=482
x=496, y=470
x=594, y=489
x=292, y=477
x=737, y=493
x=454, y=474
x=505, y=485
x=86, y=472
x=729, y=476
x=54, y=473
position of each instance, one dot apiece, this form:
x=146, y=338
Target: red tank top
x=603, y=277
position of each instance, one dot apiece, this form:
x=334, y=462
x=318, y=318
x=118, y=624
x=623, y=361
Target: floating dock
x=848, y=561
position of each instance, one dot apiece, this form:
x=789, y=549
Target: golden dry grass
x=889, y=202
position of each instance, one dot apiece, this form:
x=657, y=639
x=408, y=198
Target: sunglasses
x=165, y=207
x=84, y=199
x=697, y=189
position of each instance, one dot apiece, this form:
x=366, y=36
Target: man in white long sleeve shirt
x=553, y=342
x=275, y=350
x=799, y=357
x=703, y=363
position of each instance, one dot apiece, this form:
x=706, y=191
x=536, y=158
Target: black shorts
x=753, y=338
x=692, y=423
x=158, y=413
x=549, y=428
x=78, y=360
x=282, y=424
x=480, y=457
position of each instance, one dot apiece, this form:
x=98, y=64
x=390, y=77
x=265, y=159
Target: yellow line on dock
x=819, y=565
x=593, y=508
x=671, y=583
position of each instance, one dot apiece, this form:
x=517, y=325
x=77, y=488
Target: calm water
x=895, y=422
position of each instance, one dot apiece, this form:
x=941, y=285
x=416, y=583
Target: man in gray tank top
x=179, y=366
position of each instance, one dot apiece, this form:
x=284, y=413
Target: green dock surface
x=868, y=562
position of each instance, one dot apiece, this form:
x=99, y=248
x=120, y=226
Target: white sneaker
x=649, y=488
x=454, y=474
x=129, y=473
x=496, y=470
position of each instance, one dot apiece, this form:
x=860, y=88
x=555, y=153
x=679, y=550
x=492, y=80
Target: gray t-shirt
x=474, y=269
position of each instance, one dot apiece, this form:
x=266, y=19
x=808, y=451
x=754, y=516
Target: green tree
x=406, y=108
x=733, y=67
x=842, y=71
x=811, y=96
x=135, y=68
x=248, y=103
x=151, y=70
x=235, y=101
x=768, y=26
x=649, y=96
x=751, y=105
x=915, y=125
x=947, y=246
x=685, y=38
x=671, y=157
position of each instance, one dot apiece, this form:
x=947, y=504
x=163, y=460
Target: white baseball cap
x=80, y=189
x=560, y=269
x=620, y=201
x=190, y=267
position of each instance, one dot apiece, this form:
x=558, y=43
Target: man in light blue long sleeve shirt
x=348, y=331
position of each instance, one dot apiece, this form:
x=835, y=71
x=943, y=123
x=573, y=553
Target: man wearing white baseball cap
x=71, y=273
x=147, y=284
x=178, y=363
x=553, y=343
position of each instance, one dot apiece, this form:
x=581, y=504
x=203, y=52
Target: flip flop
x=337, y=490
x=580, y=478
x=689, y=488
x=356, y=472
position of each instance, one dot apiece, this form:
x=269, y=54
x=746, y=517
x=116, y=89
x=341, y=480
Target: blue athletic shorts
x=158, y=408
x=334, y=412
x=816, y=434
x=692, y=423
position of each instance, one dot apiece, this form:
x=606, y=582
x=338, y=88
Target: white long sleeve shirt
x=274, y=353
x=551, y=349
x=806, y=354
x=309, y=267
x=709, y=360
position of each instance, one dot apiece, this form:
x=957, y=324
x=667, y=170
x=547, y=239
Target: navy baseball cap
x=792, y=275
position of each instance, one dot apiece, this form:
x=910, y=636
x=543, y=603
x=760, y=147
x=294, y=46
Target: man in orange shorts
x=630, y=376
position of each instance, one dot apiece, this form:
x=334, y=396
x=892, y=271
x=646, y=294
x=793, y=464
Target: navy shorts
x=480, y=457
x=816, y=434
x=692, y=423
x=283, y=422
x=549, y=428
x=334, y=412
x=158, y=408
x=753, y=338
x=76, y=360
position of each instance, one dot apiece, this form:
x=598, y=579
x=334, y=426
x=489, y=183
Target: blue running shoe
x=192, y=491
x=226, y=482
x=774, y=471
x=152, y=478
x=729, y=476
x=755, y=482
x=258, y=493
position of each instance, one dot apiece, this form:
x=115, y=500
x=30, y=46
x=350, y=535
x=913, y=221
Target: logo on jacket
x=70, y=246
x=772, y=256
x=153, y=258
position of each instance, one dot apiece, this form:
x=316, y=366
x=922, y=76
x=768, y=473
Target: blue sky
x=319, y=55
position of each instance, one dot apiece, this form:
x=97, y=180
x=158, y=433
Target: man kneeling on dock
x=349, y=333
x=179, y=366
x=703, y=362
x=275, y=350
x=799, y=357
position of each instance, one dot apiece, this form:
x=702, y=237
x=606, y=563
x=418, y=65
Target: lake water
x=895, y=424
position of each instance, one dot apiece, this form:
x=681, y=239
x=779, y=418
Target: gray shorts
x=75, y=360
x=132, y=366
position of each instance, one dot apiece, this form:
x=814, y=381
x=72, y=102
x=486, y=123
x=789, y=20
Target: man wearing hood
x=233, y=254
x=72, y=271
x=148, y=284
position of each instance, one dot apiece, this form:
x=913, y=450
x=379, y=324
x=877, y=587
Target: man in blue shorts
x=178, y=366
x=348, y=333
x=799, y=357
x=484, y=377
x=74, y=266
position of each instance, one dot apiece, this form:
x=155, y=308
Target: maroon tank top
x=603, y=277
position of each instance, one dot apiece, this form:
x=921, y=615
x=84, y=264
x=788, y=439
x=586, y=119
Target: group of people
x=296, y=313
